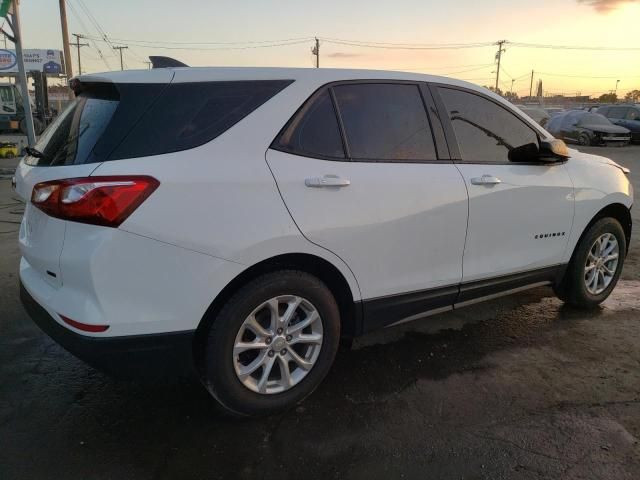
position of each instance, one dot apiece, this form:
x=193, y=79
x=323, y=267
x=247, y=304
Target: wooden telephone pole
x=498, y=58
x=65, y=39
x=78, y=45
x=316, y=51
x=531, y=85
x=123, y=47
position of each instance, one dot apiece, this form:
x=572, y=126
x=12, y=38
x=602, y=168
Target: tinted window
x=385, y=122
x=617, y=112
x=313, y=131
x=79, y=131
x=633, y=114
x=189, y=114
x=593, y=119
x=485, y=131
x=114, y=121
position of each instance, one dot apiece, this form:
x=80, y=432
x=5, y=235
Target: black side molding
x=384, y=311
x=485, y=288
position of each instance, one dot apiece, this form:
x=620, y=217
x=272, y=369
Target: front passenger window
x=485, y=131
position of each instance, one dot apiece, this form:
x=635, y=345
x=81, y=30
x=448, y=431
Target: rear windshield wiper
x=34, y=152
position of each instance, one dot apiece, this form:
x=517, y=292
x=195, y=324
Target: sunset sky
x=163, y=23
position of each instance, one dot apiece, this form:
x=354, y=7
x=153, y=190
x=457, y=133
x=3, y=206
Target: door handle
x=327, y=181
x=486, y=180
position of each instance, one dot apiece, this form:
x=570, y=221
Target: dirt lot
x=528, y=389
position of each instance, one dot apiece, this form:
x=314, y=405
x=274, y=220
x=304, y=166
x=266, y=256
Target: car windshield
x=593, y=119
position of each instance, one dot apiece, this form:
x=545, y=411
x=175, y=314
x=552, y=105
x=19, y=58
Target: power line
x=585, y=76
x=86, y=30
x=246, y=47
x=572, y=47
x=469, y=70
x=153, y=43
x=406, y=47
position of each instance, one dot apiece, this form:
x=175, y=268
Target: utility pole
x=120, y=49
x=148, y=65
x=616, y=90
x=65, y=39
x=22, y=74
x=512, y=82
x=500, y=43
x=78, y=45
x=531, y=85
x=316, y=51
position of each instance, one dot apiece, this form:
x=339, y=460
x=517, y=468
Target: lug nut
x=289, y=337
x=283, y=351
x=268, y=341
x=279, y=331
x=271, y=353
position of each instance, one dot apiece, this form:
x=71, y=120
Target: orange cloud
x=605, y=6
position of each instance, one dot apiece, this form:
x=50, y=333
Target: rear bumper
x=134, y=356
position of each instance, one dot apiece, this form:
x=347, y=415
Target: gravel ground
x=522, y=387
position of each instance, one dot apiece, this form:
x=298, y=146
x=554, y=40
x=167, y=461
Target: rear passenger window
x=485, y=131
x=313, y=131
x=385, y=122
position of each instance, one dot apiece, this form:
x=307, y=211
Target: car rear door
x=520, y=214
x=359, y=172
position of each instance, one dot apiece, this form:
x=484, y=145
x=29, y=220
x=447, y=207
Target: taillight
x=106, y=201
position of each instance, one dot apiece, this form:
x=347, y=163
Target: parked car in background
x=243, y=220
x=539, y=114
x=585, y=128
x=553, y=111
x=627, y=116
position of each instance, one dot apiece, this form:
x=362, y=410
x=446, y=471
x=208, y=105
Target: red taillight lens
x=105, y=201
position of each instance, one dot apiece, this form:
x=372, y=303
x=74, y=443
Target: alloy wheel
x=277, y=344
x=601, y=263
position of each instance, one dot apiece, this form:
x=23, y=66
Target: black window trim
x=345, y=144
x=454, y=149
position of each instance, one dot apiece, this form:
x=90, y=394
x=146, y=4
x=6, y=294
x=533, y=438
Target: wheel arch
x=614, y=210
x=350, y=309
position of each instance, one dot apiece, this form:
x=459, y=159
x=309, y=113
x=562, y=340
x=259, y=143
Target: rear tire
x=223, y=369
x=590, y=277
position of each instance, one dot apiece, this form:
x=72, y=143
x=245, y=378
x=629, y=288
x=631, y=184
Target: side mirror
x=553, y=151
x=524, y=153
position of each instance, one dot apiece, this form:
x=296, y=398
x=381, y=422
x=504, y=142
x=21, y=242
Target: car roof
x=314, y=75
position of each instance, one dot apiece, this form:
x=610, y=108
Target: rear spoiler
x=165, y=62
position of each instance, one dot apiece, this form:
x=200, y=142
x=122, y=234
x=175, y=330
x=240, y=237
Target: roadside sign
x=47, y=61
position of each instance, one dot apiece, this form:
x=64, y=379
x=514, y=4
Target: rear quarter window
x=188, y=115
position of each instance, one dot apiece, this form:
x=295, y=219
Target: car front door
x=520, y=214
x=359, y=171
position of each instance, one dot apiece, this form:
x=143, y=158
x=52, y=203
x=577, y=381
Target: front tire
x=596, y=265
x=584, y=139
x=271, y=344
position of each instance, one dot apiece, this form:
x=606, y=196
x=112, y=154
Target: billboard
x=47, y=61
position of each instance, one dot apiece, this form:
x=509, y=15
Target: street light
x=615, y=92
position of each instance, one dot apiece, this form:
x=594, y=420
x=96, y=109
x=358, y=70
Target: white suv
x=244, y=220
